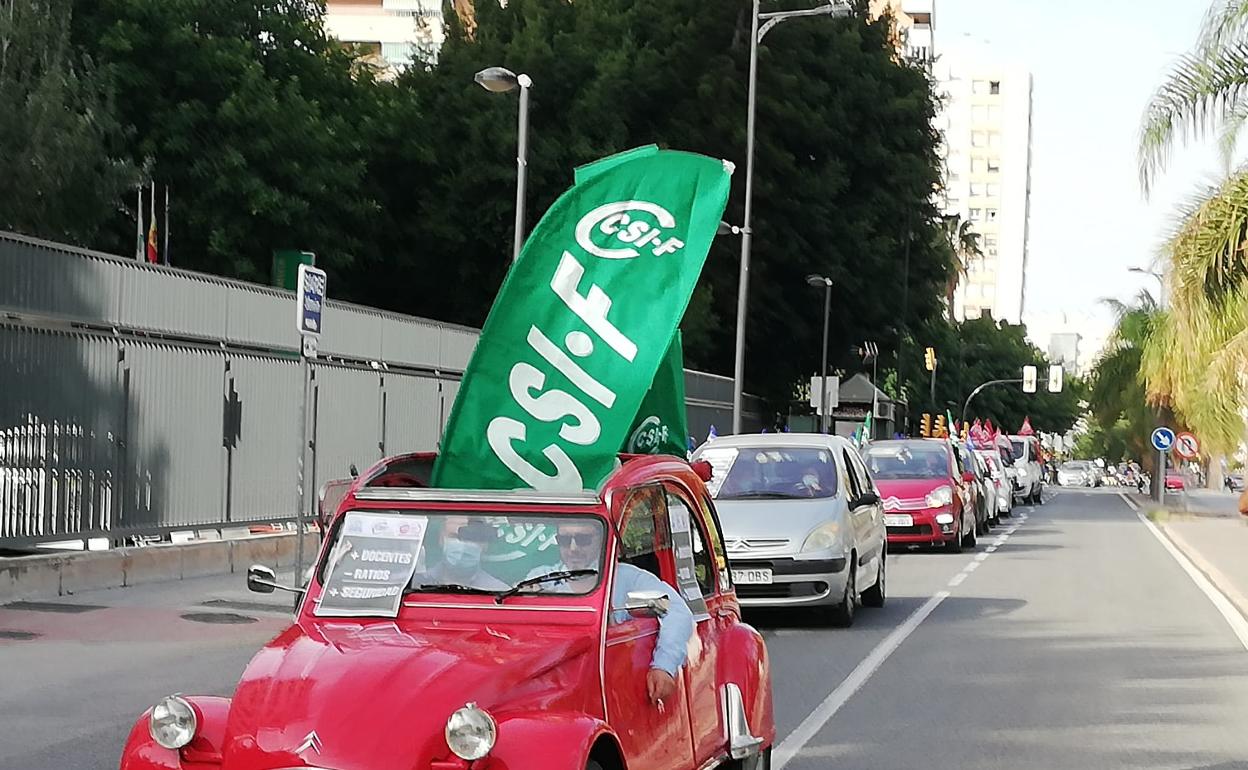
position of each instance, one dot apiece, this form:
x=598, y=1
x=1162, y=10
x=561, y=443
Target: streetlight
x=500, y=80
x=743, y=282
x=826, y=283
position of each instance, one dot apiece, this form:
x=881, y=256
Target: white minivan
x=1028, y=472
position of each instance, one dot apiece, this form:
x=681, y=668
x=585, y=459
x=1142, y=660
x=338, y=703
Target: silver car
x=802, y=521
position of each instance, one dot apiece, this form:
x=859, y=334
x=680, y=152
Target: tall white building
x=393, y=33
x=986, y=123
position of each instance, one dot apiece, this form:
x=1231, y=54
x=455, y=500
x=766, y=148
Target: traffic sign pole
x=309, y=311
x=1163, y=440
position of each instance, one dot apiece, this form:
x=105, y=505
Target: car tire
x=971, y=538
x=876, y=594
x=593, y=765
x=955, y=545
x=842, y=615
x=760, y=761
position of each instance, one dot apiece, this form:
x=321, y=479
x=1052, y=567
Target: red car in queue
x=927, y=497
x=385, y=666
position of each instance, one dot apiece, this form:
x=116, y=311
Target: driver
x=814, y=479
x=580, y=545
x=463, y=542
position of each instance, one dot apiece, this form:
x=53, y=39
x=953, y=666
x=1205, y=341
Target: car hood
x=773, y=519
x=375, y=691
x=908, y=489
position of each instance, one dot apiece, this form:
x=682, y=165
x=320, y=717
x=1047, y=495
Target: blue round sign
x=1163, y=439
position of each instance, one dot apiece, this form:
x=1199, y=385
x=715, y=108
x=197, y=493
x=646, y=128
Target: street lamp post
x=1159, y=478
x=743, y=281
x=826, y=283
x=501, y=80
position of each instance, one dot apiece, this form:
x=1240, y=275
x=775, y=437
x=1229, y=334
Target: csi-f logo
x=648, y=437
x=619, y=230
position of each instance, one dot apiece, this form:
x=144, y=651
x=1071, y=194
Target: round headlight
x=470, y=732
x=173, y=722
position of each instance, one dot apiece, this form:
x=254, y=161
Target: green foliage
x=59, y=135
x=1114, y=443
x=979, y=350
x=252, y=116
x=270, y=137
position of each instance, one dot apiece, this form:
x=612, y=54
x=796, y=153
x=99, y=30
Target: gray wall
x=117, y=380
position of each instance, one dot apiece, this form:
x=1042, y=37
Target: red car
x=928, y=496
x=392, y=662
x=1175, y=481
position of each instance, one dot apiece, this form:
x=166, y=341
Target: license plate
x=747, y=577
x=898, y=520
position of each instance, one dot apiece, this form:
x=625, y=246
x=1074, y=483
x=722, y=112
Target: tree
x=979, y=350
x=253, y=117
x=1196, y=358
x=964, y=247
x=62, y=176
x=845, y=161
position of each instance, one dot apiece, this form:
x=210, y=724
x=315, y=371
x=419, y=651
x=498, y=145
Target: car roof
x=813, y=440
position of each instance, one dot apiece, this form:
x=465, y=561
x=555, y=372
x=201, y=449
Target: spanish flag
x=151, y=243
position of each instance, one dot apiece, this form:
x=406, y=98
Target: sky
x=1094, y=66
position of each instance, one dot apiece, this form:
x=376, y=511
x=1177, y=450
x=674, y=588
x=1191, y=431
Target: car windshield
x=1074, y=465
x=377, y=557
x=909, y=460
x=770, y=472
x=1019, y=447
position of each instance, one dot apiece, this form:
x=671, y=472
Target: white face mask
x=810, y=480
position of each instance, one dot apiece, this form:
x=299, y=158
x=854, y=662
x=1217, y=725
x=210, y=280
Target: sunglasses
x=582, y=539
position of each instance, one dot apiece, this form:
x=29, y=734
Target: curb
x=1215, y=576
x=62, y=574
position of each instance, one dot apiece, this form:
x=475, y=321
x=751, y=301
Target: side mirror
x=867, y=498
x=262, y=580
x=647, y=604
x=703, y=469
x=968, y=477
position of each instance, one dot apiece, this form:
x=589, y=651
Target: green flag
x=661, y=426
x=582, y=322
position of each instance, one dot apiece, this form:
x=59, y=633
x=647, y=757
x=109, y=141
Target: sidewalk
x=1218, y=546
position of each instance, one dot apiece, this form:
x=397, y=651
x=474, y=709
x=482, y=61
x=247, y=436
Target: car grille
x=896, y=504
x=745, y=545
x=917, y=529
x=783, y=590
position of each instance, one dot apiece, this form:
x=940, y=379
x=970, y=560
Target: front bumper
x=794, y=582
x=925, y=530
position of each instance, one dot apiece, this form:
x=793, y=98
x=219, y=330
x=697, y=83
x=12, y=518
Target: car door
x=965, y=490
x=864, y=517
x=877, y=533
x=696, y=578
x=649, y=737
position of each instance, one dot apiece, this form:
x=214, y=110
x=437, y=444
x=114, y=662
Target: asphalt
x=1078, y=641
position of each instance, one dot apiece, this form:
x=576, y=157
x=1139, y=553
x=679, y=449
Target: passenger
x=580, y=547
x=464, y=541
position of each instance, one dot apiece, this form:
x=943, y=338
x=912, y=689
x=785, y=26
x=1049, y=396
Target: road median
x=44, y=576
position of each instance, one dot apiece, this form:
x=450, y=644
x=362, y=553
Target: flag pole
x=138, y=226
x=165, y=252
x=153, y=202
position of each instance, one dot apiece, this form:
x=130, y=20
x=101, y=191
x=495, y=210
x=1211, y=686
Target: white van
x=1028, y=472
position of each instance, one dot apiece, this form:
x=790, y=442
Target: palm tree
x=963, y=249
x=1196, y=355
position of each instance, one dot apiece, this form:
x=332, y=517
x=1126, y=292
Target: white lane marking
x=992, y=548
x=1232, y=616
x=814, y=722
x=816, y=719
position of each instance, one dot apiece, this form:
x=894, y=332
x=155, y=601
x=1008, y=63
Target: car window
x=907, y=460
x=695, y=577
x=646, y=529
x=775, y=472
x=717, y=542
x=1020, y=448
x=860, y=470
x=855, y=484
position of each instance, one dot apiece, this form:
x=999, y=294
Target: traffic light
x=942, y=428
x=929, y=359
x=925, y=425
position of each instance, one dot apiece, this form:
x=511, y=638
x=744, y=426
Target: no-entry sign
x=1187, y=446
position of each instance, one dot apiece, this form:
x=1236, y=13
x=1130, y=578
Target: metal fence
x=137, y=400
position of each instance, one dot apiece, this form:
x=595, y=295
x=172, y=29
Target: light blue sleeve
x=675, y=628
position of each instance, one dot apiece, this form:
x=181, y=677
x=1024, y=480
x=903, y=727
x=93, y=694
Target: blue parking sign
x=1163, y=439
x=310, y=296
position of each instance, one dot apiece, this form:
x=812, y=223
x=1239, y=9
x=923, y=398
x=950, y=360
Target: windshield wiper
x=770, y=495
x=549, y=577
x=450, y=588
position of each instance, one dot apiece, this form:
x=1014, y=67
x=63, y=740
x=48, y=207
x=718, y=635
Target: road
x=1077, y=641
